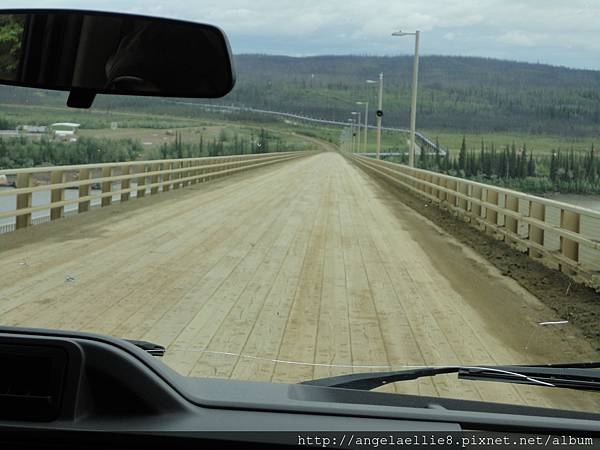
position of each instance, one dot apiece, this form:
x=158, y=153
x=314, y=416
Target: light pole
x=379, y=112
x=354, y=113
x=351, y=135
x=351, y=141
x=413, y=108
x=366, y=126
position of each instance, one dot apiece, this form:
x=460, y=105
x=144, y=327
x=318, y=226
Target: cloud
x=523, y=39
x=554, y=31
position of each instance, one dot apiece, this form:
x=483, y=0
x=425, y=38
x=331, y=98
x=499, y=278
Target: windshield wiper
x=571, y=375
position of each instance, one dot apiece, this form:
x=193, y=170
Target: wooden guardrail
x=561, y=235
x=116, y=182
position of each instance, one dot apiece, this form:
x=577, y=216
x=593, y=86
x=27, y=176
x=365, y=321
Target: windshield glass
x=388, y=186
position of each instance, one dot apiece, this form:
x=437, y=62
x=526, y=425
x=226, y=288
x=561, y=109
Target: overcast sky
x=560, y=32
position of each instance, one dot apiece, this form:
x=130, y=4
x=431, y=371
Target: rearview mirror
x=89, y=53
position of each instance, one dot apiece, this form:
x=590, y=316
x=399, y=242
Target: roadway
x=286, y=273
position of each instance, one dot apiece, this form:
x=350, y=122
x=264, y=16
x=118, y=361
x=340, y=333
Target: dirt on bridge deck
x=577, y=303
x=304, y=269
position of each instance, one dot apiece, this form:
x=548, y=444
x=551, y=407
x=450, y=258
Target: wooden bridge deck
x=285, y=273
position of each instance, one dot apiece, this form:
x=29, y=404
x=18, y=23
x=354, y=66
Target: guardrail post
x=154, y=178
x=84, y=191
x=184, y=174
x=57, y=195
x=441, y=194
x=181, y=175
x=451, y=184
x=222, y=160
x=194, y=164
x=215, y=169
x=569, y=221
x=463, y=188
x=187, y=165
x=491, y=216
x=177, y=175
x=166, y=177
x=125, y=184
x=476, y=192
x=23, y=200
x=426, y=188
x=106, y=186
x=205, y=170
x=536, y=234
x=210, y=170
x=512, y=204
x=141, y=182
x=201, y=171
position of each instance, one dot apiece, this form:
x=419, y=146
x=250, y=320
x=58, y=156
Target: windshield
x=388, y=186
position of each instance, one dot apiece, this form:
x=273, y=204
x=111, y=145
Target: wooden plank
x=463, y=188
x=154, y=179
x=285, y=273
x=176, y=176
x=84, y=190
x=57, y=195
x=132, y=231
x=271, y=250
x=106, y=186
x=125, y=184
x=166, y=177
x=512, y=204
x=141, y=182
x=333, y=343
x=451, y=184
x=299, y=341
x=262, y=346
x=492, y=196
x=23, y=201
x=569, y=221
x=367, y=341
x=476, y=192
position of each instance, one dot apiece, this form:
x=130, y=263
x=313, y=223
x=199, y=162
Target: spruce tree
x=531, y=166
x=462, y=155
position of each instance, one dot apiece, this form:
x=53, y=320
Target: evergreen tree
x=591, y=165
x=482, y=158
x=531, y=166
x=462, y=155
x=522, y=164
x=512, y=162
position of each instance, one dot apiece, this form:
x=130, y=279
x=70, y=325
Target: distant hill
x=455, y=93
x=460, y=93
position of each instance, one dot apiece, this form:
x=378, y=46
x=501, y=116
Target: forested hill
x=461, y=94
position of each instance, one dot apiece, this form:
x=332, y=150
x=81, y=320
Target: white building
x=65, y=131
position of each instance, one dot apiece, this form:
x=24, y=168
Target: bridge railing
x=48, y=193
x=561, y=235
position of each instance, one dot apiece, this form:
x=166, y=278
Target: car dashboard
x=86, y=390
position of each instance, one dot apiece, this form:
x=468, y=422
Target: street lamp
x=413, y=108
x=366, y=123
x=354, y=113
x=379, y=111
x=351, y=135
x=349, y=141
